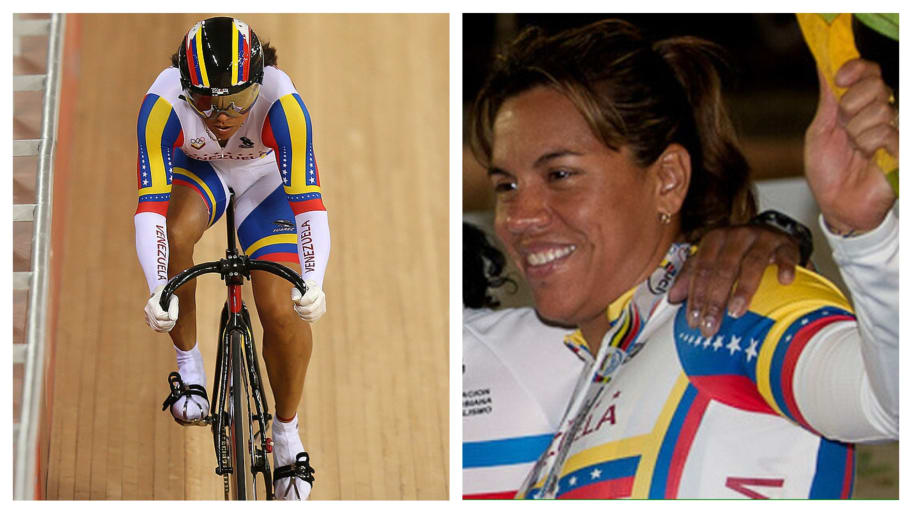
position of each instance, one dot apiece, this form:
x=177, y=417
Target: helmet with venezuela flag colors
x=221, y=57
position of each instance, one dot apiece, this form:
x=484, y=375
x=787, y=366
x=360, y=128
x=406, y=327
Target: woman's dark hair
x=482, y=264
x=638, y=94
x=269, y=57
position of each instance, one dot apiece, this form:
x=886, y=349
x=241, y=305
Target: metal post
x=26, y=437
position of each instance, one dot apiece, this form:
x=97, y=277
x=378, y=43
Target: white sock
x=286, y=444
x=190, y=367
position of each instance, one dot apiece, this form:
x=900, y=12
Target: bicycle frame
x=235, y=320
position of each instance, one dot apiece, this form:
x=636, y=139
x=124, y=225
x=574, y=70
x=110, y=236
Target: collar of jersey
x=577, y=343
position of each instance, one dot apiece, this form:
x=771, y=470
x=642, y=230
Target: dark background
x=771, y=91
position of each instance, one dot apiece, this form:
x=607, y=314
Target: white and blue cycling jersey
x=517, y=375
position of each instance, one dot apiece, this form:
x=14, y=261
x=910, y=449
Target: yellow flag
x=831, y=40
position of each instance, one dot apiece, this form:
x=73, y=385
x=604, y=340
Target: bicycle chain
x=224, y=463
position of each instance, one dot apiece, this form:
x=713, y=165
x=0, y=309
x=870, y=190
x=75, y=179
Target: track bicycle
x=239, y=416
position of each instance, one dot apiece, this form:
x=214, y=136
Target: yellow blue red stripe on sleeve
x=750, y=362
x=288, y=132
x=158, y=131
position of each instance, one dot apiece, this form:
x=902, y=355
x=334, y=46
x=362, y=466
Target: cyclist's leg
x=266, y=232
x=287, y=340
x=197, y=199
x=287, y=345
x=188, y=218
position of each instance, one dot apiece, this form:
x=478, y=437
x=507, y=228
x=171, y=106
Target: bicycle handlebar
x=224, y=267
x=281, y=271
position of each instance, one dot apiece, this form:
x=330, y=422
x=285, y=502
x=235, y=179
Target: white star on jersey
x=751, y=351
x=734, y=346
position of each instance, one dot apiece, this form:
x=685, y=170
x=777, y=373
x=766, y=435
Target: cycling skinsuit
x=269, y=163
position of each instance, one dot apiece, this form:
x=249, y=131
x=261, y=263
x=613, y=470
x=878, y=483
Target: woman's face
x=579, y=219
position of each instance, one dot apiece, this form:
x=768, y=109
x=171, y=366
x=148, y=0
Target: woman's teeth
x=543, y=257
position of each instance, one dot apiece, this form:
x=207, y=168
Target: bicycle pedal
x=189, y=423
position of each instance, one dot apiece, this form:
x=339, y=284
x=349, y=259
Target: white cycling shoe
x=293, y=476
x=189, y=403
x=293, y=482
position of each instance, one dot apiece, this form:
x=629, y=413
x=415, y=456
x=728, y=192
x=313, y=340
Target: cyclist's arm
x=829, y=369
x=854, y=377
x=849, y=384
x=158, y=131
x=288, y=132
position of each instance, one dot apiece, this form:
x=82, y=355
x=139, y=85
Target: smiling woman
x=566, y=203
x=613, y=152
x=610, y=155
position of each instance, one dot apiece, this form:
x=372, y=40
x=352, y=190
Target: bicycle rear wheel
x=242, y=477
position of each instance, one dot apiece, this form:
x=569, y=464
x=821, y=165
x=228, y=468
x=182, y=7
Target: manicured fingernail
x=788, y=275
x=735, y=309
x=709, y=325
x=693, y=318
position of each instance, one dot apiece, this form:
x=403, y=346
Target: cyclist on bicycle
x=223, y=115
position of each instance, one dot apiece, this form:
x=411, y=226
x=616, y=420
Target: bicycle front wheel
x=240, y=432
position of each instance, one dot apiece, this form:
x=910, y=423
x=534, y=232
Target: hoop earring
x=664, y=217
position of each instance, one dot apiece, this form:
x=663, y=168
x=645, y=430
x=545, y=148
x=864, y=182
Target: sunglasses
x=234, y=105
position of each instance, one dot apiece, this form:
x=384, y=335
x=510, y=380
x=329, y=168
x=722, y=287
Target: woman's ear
x=672, y=173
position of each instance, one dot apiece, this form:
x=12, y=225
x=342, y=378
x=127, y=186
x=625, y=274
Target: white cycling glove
x=312, y=305
x=160, y=320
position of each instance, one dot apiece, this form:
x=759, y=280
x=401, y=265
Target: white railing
x=31, y=354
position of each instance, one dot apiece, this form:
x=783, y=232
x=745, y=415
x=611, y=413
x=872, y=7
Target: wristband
x=785, y=224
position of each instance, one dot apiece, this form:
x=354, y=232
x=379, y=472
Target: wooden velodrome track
x=374, y=415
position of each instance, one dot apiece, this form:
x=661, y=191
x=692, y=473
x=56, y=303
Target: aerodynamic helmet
x=220, y=56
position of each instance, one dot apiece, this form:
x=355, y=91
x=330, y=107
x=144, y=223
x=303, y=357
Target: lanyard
x=619, y=343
